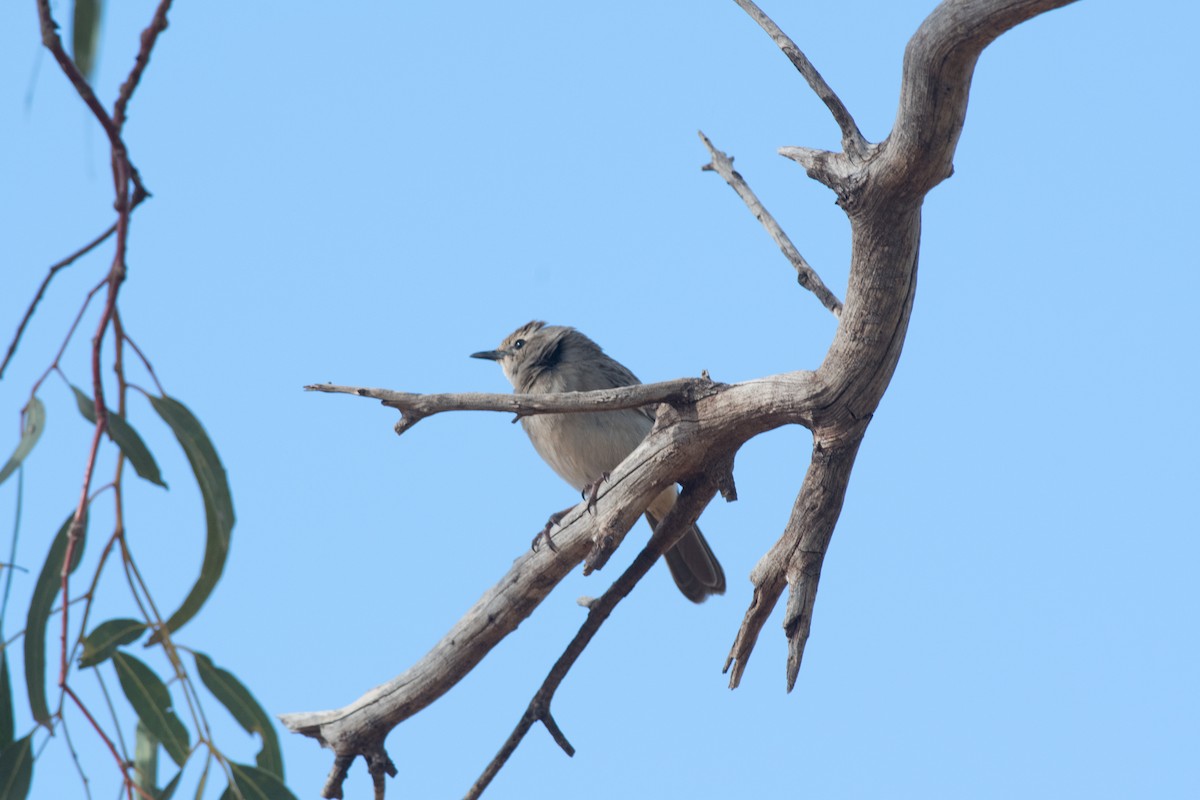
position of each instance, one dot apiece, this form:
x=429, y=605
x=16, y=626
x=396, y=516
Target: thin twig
x=122, y=764
x=158, y=24
x=37, y=298
x=806, y=276
x=125, y=175
x=145, y=361
x=74, y=536
x=670, y=530
x=87, y=301
x=853, y=141
x=53, y=43
x=90, y=595
x=66, y=729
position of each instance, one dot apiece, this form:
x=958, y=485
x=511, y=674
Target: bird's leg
x=544, y=533
x=592, y=490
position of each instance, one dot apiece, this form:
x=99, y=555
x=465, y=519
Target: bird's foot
x=544, y=533
x=592, y=491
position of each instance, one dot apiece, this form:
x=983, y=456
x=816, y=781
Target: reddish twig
x=87, y=301
x=53, y=43
x=125, y=175
x=37, y=298
x=74, y=534
x=123, y=338
x=158, y=24
x=130, y=786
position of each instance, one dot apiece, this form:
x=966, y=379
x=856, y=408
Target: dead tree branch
x=692, y=501
x=853, y=142
x=881, y=188
x=415, y=407
x=806, y=276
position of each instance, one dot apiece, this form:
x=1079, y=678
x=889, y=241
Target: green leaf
x=106, y=637
x=218, y=504
x=170, y=788
x=145, y=758
x=124, y=437
x=245, y=709
x=31, y=431
x=256, y=784
x=45, y=591
x=6, y=701
x=145, y=762
x=150, y=699
x=16, y=769
x=85, y=33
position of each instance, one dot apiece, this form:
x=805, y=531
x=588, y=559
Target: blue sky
x=368, y=195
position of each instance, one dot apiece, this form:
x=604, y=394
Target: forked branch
x=671, y=528
x=882, y=188
x=853, y=141
x=415, y=407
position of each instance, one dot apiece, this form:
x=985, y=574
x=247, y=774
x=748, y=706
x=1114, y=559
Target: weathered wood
x=698, y=432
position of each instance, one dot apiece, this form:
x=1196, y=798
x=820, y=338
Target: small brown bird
x=584, y=448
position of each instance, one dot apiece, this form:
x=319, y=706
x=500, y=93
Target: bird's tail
x=693, y=565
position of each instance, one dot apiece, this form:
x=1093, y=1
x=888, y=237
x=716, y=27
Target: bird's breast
x=582, y=447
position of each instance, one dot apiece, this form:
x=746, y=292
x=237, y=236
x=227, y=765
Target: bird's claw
x=544, y=533
x=592, y=491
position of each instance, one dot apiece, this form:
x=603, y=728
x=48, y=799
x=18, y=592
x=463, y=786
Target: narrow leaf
x=218, y=504
x=85, y=33
x=6, y=727
x=16, y=769
x=35, y=423
x=124, y=437
x=256, y=784
x=6, y=701
x=150, y=699
x=44, y=593
x=145, y=758
x=171, y=786
x=106, y=637
x=245, y=709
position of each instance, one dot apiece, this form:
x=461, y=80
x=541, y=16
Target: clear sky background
x=366, y=194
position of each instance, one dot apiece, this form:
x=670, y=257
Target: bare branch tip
x=332, y=790
x=556, y=733
x=404, y=423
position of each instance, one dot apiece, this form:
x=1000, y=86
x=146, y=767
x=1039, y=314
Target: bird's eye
x=518, y=344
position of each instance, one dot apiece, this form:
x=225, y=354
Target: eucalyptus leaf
x=218, y=503
x=85, y=35
x=44, y=593
x=169, y=789
x=245, y=709
x=16, y=769
x=256, y=784
x=31, y=431
x=106, y=637
x=145, y=758
x=150, y=699
x=6, y=702
x=124, y=437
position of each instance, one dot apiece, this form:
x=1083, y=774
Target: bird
x=584, y=447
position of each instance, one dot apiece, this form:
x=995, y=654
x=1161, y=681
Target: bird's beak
x=491, y=355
